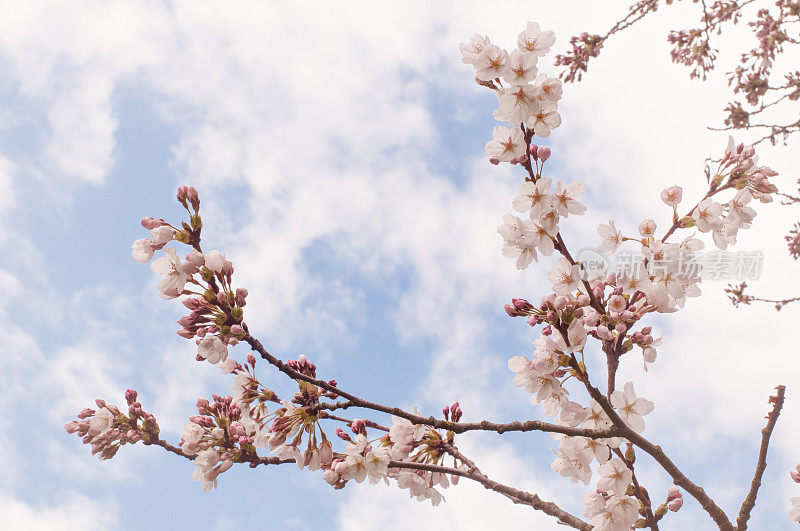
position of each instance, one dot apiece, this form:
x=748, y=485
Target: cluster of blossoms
x=522, y=238
x=404, y=442
x=232, y=429
x=664, y=281
x=106, y=429
x=528, y=102
x=216, y=311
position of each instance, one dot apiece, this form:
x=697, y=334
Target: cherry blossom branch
x=168, y=447
x=586, y=46
x=559, y=244
x=737, y=296
x=349, y=422
x=678, y=477
x=516, y=495
x=640, y=492
x=761, y=465
x=253, y=460
x=676, y=224
x=456, y=427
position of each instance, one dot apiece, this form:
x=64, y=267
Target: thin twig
x=761, y=465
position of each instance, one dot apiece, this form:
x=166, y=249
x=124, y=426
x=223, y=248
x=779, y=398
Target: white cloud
x=74, y=511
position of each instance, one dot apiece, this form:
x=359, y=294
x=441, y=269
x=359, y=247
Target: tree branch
x=678, y=477
x=761, y=465
x=516, y=495
x=456, y=427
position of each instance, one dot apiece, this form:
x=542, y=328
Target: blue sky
x=339, y=157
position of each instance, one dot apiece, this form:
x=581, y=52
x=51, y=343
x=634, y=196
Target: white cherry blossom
x=615, y=476
x=521, y=67
x=566, y=277
x=566, y=198
x=212, y=349
x=491, y=63
x=794, y=512
x=142, y=250
x=706, y=215
x=533, y=39
x=550, y=88
x=170, y=267
x=508, y=144
x=672, y=195
x=533, y=198
x=473, y=49
x=101, y=422
x=544, y=119
x=516, y=105
x=631, y=408
x=612, y=238
x=162, y=235
x=215, y=260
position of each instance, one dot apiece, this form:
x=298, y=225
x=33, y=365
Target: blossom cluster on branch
x=599, y=433
x=764, y=90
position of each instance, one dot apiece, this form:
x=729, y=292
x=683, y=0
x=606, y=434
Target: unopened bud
x=543, y=152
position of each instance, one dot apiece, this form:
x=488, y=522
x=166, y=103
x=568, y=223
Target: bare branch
x=761, y=465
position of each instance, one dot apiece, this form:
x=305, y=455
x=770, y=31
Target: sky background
x=339, y=154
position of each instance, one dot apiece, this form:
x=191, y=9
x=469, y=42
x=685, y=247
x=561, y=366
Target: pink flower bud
x=522, y=304
x=152, y=223
x=534, y=151
x=533, y=320
x=241, y=295
x=193, y=197
x=675, y=504
x=543, y=152
x=511, y=310
x=130, y=396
